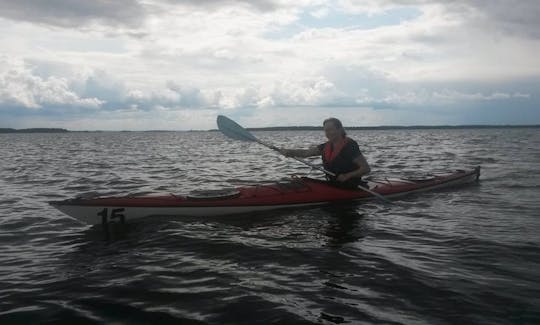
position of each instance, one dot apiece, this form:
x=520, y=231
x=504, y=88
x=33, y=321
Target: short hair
x=337, y=124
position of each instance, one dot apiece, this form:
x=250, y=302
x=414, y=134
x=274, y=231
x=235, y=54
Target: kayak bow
x=298, y=192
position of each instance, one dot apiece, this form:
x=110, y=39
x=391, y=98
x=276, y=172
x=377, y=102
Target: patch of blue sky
x=343, y=20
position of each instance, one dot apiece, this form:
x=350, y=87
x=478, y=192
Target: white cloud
x=134, y=119
x=445, y=97
x=19, y=87
x=453, y=96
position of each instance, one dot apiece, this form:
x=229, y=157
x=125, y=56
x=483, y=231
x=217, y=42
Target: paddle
x=234, y=131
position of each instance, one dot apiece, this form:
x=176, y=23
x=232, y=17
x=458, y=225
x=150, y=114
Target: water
x=460, y=256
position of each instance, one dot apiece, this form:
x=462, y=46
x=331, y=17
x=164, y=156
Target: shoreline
x=289, y=128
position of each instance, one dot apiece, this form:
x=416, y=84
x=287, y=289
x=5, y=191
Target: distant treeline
x=297, y=128
x=391, y=127
x=33, y=130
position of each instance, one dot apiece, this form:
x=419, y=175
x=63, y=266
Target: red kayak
x=298, y=192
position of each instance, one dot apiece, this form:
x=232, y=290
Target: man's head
x=333, y=129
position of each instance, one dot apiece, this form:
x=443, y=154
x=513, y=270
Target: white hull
x=94, y=214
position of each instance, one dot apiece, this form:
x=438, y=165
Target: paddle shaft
x=297, y=159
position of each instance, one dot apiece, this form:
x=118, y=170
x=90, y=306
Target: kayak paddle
x=234, y=131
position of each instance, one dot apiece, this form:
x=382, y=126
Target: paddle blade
x=234, y=131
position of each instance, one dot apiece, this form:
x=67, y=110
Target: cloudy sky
x=177, y=64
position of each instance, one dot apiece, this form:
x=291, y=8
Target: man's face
x=331, y=131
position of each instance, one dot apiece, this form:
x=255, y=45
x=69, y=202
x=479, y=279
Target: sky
x=177, y=64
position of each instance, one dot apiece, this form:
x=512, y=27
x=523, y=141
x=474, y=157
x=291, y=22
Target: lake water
x=468, y=255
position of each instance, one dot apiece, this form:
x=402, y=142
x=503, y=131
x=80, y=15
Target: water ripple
x=459, y=256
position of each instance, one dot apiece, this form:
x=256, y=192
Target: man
x=340, y=154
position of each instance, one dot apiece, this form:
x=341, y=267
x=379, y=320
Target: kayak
x=294, y=193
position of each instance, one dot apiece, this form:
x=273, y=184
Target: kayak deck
x=297, y=192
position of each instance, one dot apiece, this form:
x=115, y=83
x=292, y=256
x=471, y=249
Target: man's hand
x=344, y=177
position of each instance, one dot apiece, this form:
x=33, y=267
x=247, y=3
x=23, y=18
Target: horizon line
x=286, y=128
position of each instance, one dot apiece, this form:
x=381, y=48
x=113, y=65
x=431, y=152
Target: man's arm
x=363, y=169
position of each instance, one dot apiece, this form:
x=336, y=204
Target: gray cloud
x=517, y=17
x=74, y=13
x=262, y=5
x=66, y=98
x=129, y=13
x=511, y=17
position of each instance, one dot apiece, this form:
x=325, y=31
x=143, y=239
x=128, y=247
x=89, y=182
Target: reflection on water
x=345, y=224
